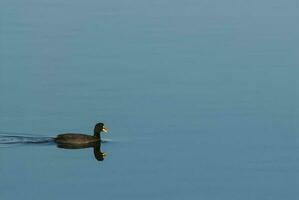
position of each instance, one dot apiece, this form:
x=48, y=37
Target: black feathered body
x=76, y=138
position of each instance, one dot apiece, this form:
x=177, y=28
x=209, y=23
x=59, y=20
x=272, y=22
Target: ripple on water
x=12, y=140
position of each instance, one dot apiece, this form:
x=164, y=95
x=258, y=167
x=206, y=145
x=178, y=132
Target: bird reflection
x=98, y=154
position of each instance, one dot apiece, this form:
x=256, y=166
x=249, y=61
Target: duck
x=80, y=140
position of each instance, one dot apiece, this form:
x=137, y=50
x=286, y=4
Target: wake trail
x=7, y=139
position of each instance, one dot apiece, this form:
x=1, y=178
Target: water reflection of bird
x=81, y=139
x=98, y=154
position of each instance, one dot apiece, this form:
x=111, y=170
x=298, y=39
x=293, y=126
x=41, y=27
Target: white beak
x=105, y=130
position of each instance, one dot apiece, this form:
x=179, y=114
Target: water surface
x=200, y=97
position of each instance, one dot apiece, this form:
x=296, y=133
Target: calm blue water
x=200, y=97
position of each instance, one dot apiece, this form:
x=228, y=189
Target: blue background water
x=201, y=98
